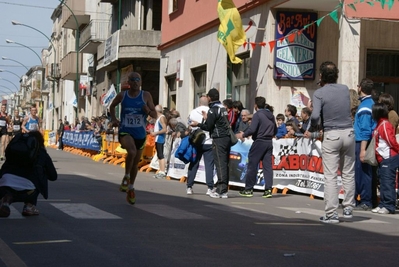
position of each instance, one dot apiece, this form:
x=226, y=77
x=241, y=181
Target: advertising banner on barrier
x=297, y=165
x=84, y=140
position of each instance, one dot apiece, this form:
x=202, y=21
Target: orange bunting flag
x=291, y=37
x=262, y=44
x=253, y=45
x=271, y=44
x=245, y=44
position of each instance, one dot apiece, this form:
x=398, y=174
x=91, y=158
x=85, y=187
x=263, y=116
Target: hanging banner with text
x=295, y=58
x=297, y=165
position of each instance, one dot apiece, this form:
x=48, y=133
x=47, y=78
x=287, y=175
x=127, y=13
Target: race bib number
x=33, y=127
x=16, y=127
x=2, y=123
x=133, y=121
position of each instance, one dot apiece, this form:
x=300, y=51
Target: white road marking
x=42, y=242
x=8, y=256
x=83, y=211
x=170, y=212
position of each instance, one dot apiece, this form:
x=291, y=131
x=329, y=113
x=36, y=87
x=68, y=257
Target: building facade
x=286, y=41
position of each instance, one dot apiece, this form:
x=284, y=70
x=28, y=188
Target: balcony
x=92, y=36
x=133, y=44
x=68, y=20
x=68, y=66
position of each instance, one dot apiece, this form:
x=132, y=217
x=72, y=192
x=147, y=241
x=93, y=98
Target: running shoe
x=131, y=196
x=267, y=194
x=333, y=219
x=125, y=184
x=189, y=191
x=246, y=193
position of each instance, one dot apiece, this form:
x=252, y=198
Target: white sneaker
x=376, y=210
x=189, y=191
x=217, y=195
x=210, y=191
x=384, y=211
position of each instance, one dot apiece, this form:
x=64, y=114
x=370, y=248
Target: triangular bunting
x=299, y=32
x=262, y=44
x=253, y=45
x=334, y=15
x=281, y=39
x=272, y=44
x=245, y=44
x=291, y=37
x=390, y=4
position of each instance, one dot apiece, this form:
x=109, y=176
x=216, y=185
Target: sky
x=35, y=13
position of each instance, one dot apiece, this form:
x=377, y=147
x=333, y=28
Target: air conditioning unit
x=55, y=71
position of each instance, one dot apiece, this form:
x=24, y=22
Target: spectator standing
x=231, y=115
x=262, y=129
x=243, y=124
x=217, y=125
x=238, y=108
x=160, y=129
x=393, y=117
x=364, y=126
x=60, y=133
x=136, y=106
x=204, y=151
x=290, y=113
x=281, y=128
x=331, y=104
x=387, y=154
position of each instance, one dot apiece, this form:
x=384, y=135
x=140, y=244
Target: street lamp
x=8, y=41
x=1, y=70
x=6, y=58
x=9, y=82
x=55, y=56
x=62, y=2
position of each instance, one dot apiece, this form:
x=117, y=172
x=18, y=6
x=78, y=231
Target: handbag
x=370, y=157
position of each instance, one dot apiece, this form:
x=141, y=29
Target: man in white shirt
x=205, y=150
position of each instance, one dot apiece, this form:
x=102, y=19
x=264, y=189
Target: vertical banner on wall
x=295, y=56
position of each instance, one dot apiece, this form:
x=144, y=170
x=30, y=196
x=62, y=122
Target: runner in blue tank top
x=136, y=106
x=31, y=122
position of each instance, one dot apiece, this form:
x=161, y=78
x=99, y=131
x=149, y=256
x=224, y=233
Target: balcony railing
x=78, y=8
x=93, y=35
x=68, y=66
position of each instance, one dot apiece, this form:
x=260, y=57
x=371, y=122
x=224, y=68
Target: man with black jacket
x=217, y=125
x=60, y=133
x=262, y=129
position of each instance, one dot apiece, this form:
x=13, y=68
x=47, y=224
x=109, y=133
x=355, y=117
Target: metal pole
x=13, y=42
x=77, y=55
x=6, y=58
x=9, y=82
x=19, y=77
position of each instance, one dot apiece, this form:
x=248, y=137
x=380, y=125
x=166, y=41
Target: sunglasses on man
x=135, y=79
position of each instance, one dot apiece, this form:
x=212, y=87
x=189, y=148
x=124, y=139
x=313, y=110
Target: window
x=199, y=75
x=173, y=6
x=240, y=81
x=382, y=64
x=171, y=91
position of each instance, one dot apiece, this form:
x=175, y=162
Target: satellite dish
x=249, y=27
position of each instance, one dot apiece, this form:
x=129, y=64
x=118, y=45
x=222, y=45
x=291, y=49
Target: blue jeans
x=205, y=151
x=387, y=171
x=363, y=178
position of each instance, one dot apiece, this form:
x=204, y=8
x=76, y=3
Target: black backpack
x=197, y=137
x=23, y=148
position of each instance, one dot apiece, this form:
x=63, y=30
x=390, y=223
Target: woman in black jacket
x=24, y=184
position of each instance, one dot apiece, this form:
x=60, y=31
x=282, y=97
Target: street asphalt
x=87, y=222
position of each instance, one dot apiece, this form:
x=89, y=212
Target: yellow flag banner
x=231, y=34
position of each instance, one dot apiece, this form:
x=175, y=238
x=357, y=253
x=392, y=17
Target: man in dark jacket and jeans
x=262, y=129
x=217, y=125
